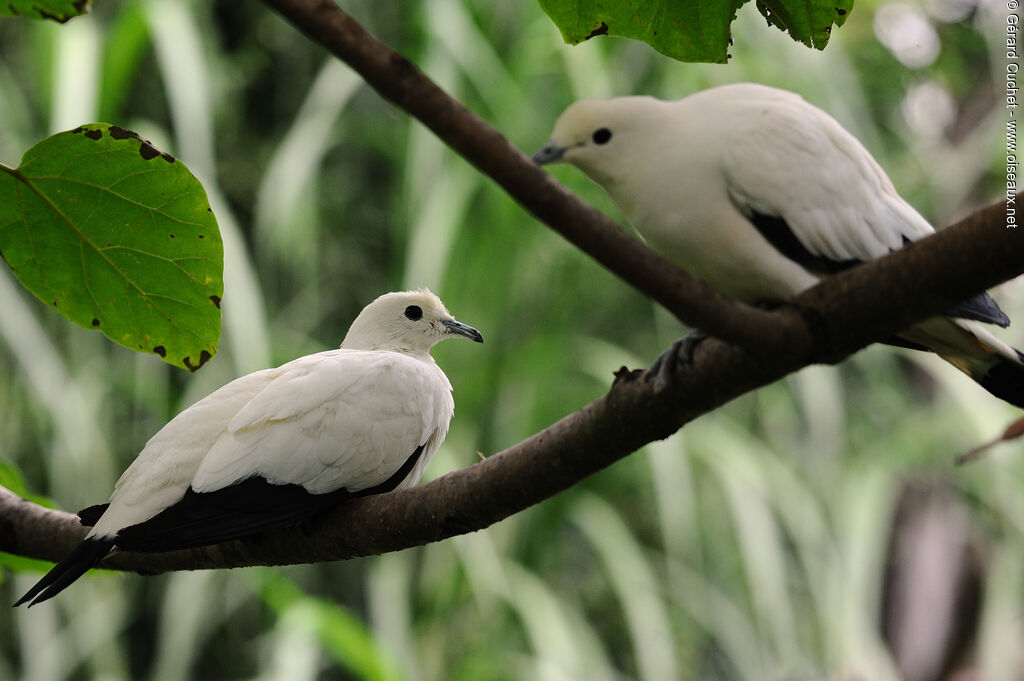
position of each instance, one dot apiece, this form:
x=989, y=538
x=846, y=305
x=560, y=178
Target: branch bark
x=399, y=81
x=825, y=324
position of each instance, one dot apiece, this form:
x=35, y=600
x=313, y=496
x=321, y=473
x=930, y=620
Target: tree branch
x=827, y=323
x=399, y=81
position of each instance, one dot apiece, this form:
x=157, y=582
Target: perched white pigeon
x=281, y=444
x=760, y=194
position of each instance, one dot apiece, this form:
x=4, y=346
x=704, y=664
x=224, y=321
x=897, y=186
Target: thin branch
x=829, y=322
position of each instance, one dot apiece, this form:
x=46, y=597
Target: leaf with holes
x=691, y=30
x=807, y=21
x=117, y=236
x=57, y=10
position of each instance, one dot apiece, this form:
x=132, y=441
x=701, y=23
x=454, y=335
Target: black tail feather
x=90, y=516
x=1005, y=380
x=79, y=561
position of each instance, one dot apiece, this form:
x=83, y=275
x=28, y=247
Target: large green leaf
x=691, y=30
x=57, y=10
x=117, y=236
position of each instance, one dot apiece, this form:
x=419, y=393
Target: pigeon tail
x=79, y=561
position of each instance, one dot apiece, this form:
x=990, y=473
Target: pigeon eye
x=601, y=136
x=414, y=312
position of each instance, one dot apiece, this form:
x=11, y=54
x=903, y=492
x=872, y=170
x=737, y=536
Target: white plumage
x=280, y=444
x=760, y=194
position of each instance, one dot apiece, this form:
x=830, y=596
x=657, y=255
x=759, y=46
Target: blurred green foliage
x=752, y=545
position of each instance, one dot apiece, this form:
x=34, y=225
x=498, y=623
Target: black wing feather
x=200, y=519
x=779, y=234
x=90, y=516
x=239, y=510
x=980, y=308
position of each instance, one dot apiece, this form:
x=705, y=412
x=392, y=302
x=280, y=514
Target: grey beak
x=551, y=153
x=460, y=329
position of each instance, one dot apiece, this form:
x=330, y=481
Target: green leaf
x=116, y=236
x=808, y=21
x=691, y=30
x=57, y=10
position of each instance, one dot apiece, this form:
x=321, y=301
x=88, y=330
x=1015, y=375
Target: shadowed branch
x=825, y=324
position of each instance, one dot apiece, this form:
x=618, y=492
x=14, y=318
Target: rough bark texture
x=825, y=324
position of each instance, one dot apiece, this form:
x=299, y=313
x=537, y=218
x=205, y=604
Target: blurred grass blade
x=286, y=208
x=564, y=643
x=999, y=656
x=76, y=74
x=179, y=50
x=635, y=582
x=390, y=604
x=342, y=634
x=742, y=477
x=124, y=49
x=478, y=59
x=78, y=452
x=724, y=619
x=566, y=648
x=293, y=651
x=184, y=622
x=437, y=191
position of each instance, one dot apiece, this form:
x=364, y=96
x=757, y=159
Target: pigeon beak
x=551, y=153
x=460, y=329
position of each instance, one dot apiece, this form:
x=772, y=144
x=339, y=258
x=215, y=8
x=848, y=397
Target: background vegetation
x=752, y=545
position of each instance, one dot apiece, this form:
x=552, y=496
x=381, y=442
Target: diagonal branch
x=827, y=323
x=399, y=81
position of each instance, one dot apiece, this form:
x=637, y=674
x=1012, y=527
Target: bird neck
x=398, y=345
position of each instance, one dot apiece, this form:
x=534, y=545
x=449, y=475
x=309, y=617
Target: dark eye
x=413, y=312
x=602, y=135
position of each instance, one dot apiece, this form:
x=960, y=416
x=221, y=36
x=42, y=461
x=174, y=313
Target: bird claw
x=679, y=354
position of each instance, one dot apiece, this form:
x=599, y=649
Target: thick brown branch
x=827, y=323
x=847, y=312
x=399, y=81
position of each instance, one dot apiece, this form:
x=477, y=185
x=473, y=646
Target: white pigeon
x=281, y=444
x=760, y=194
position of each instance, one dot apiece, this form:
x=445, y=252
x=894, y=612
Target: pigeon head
x=409, y=321
x=600, y=136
